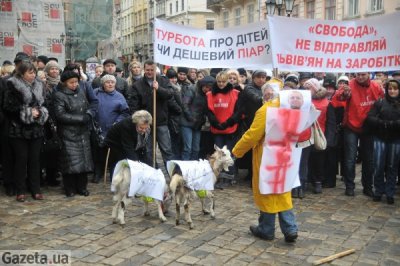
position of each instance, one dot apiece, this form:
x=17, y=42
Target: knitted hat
x=312, y=84
x=49, y=65
x=343, y=78
x=293, y=78
x=21, y=56
x=207, y=80
x=171, y=73
x=182, y=70
x=109, y=61
x=107, y=77
x=305, y=75
x=329, y=81
x=242, y=71
x=66, y=75
x=42, y=58
x=259, y=73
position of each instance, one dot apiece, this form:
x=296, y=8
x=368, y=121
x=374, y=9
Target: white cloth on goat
x=145, y=180
x=197, y=174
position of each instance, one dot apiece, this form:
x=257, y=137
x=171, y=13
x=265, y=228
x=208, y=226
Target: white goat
x=121, y=183
x=220, y=160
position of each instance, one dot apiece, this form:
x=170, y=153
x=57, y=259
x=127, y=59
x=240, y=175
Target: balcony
x=215, y=5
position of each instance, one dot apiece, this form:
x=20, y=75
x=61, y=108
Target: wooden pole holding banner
x=105, y=167
x=333, y=257
x=154, y=117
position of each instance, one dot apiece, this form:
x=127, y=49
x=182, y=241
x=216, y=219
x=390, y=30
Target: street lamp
x=138, y=49
x=278, y=4
x=70, y=40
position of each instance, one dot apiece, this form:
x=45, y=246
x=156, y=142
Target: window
x=237, y=16
x=375, y=5
x=209, y=24
x=310, y=9
x=353, y=8
x=183, y=5
x=170, y=8
x=330, y=9
x=176, y=7
x=226, y=19
x=295, y=11
x=250, y=13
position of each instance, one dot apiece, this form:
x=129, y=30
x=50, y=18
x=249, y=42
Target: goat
x=183, y=192
x=122, y=187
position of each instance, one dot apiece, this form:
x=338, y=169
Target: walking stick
x=333, y=257
x=154, y=118
x=105, y=167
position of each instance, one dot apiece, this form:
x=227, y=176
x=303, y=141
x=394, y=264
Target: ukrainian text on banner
x=336, y=46
x=246, y=46
x=8, y=30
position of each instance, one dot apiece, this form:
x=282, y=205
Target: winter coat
x=140, y=97
x=71, y=109
x=122, y=138
x=19, y=100
x=250, y=100
x=383, y=120
x=222, y=109
x=112, y=109
x=121, y=85
x=175, y=110
x=254, y=139
x=194, y=107
x=360, y=102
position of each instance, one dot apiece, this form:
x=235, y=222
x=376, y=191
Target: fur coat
x=20, y=99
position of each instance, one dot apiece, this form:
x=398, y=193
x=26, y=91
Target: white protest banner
x=246, y=46
x=336, y=46
x=281, y=158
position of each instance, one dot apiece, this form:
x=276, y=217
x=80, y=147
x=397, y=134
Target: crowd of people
x=61, y=123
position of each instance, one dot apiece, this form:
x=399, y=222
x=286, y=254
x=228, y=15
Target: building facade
x=237, y=12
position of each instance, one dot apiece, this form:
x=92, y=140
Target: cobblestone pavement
x=328, y=223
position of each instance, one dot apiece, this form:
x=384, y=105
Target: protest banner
x=279, y=169
x=246, y=46
x=335, y=46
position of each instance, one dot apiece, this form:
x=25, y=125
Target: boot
x=317, y=188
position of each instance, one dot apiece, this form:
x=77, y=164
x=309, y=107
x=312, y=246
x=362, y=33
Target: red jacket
x=321, y=105
x=360, y=102
x=222, y=105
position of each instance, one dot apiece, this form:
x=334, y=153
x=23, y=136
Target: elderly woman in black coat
x=23, y=105
x=128, y=139
x=72, y=114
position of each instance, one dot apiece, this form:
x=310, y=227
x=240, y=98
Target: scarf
x=52, y=82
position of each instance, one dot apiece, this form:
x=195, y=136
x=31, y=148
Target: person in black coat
x=140, y=97
x=72, y=114
x=23, y=104
x=250, y=100
x=128, y=139
x=383, y=121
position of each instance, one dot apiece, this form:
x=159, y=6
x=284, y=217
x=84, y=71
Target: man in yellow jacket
x=269, y=204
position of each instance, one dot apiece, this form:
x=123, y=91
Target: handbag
x=51, y=141
x=97, y=134
x=319, y=137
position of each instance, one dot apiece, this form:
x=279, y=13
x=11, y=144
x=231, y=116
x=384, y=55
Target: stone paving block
x=188, y=260
x=93, y=258
x=78, y=242
x=80, y=253
x=140, y=259
x=113, y=261
x=198, y=253
x=159, y=261
x=149, y=242
x=92, y=236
